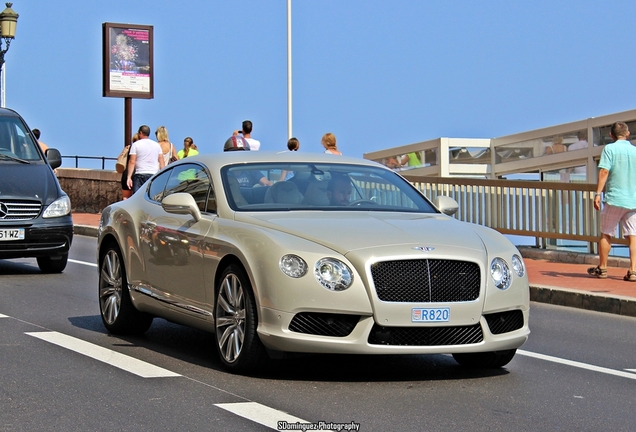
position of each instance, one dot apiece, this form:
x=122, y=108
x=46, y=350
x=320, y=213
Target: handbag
x=122, y=160
x=172, y=157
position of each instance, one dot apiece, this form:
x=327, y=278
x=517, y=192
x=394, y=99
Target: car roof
x=8, y=112
x=219, y=160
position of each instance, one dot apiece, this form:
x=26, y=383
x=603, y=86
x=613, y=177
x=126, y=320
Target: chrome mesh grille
x=504, y=322
x=425, y=336
x=324, y=324
x=15, y=210
x=426, y=280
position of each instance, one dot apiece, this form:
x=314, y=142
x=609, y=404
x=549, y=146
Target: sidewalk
x=556, y=277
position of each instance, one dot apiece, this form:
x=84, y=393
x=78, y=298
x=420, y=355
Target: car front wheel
x=55, y=264
x=118, y=313
x=236, y=320
x=485, y=360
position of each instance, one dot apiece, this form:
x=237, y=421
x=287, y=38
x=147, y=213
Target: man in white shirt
x=145, y=159
x=246, y=131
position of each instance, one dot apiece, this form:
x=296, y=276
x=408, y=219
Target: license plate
x=12, y=234
x=430, y=315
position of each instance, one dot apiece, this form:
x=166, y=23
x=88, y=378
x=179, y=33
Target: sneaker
x=601, y=273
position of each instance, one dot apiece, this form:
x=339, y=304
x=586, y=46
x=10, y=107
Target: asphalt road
x=60, y=370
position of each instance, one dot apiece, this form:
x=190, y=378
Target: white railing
x=543, y=210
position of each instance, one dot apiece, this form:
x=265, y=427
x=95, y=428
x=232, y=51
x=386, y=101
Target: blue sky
x=375, y=73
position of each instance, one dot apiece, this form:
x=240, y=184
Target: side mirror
x=181, y=203
x=446, y=205
x=53, y=157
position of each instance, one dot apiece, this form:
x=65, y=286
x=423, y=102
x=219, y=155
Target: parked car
x=35, y=214
x=344, y=257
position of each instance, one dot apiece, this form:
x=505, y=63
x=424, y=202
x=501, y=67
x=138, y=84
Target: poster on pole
x=127, y=52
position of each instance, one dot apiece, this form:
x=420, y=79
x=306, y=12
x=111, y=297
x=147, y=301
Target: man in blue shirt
x=617, y=173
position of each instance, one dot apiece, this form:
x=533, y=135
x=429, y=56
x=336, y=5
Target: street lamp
x=8, y=24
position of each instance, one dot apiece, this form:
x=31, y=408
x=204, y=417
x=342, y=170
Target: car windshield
x=331, y=187
x=15, y=142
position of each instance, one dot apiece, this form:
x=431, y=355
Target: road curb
x=618, y=305
x=85, y=230
x=570, y=257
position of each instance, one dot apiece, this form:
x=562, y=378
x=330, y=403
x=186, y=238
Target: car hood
x=28, y=181
x=348, y=231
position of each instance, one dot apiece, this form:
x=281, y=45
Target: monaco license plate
x=8, y=234
x=430, y=315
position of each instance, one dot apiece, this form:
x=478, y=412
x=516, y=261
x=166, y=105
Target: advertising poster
x=128, y=68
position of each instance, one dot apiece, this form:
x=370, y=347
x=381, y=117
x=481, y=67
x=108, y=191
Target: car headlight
x=59, y=207
x=517, y=265
x=293, y=266
x=500, y=273
x=333, y=274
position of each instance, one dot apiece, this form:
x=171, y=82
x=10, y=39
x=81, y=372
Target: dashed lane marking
x=261, y=414
x=82, y=262
x=113, y=358
x=579, y=364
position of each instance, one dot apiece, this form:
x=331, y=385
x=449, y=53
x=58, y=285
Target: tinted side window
x=192, y=179
x=158, y=186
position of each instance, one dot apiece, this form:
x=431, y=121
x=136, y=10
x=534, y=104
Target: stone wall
x=90, y=190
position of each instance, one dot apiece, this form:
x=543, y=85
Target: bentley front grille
x=504, y=322
x=425, y=336
x=324, y=324
x=426, y=280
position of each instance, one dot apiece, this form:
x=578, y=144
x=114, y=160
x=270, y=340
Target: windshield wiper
x=13, y=158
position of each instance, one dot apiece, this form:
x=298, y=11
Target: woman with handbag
x=126, y=192
x=168, y=150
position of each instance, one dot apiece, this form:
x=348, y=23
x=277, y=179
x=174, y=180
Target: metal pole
x=289, y=71
x=3, y=86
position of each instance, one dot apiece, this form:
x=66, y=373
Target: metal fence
x=103, y=159
x=543, y=210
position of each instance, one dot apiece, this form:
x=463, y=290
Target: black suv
x=35, y=213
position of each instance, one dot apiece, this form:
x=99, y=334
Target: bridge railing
x=77, y=159
x=543, y=210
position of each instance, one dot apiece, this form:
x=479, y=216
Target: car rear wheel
x=236, y=320
x=118, y=313
x=55, y=264
x=485, y=360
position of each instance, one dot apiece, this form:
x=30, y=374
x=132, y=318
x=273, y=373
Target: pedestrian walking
x=329, y=143
x=246, y=131
x=189, y=148
x=145, y=159
x=126, y=191
x=617, y=175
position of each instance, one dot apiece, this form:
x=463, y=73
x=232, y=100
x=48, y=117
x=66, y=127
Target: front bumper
x=48, y=238
x=274, y=332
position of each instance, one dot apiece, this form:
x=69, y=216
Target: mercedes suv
x=35, y=213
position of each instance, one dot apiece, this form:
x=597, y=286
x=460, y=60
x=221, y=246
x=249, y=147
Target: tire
x=236, y=320
x=485, y=360
x=118, y=313
x=55, y=264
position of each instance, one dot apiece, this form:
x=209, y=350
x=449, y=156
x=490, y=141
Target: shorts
x=611, y=216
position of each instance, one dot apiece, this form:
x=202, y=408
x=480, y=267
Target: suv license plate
x=11, y=234
x=430, y=315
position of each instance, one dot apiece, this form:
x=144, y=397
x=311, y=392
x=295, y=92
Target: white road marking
x=82, y=262
x=113, y=358
x=3, y=316
x=261, y=414
x=631, y=370
x=578, y=364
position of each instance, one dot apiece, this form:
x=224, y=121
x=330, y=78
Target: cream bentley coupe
x=309, y=253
